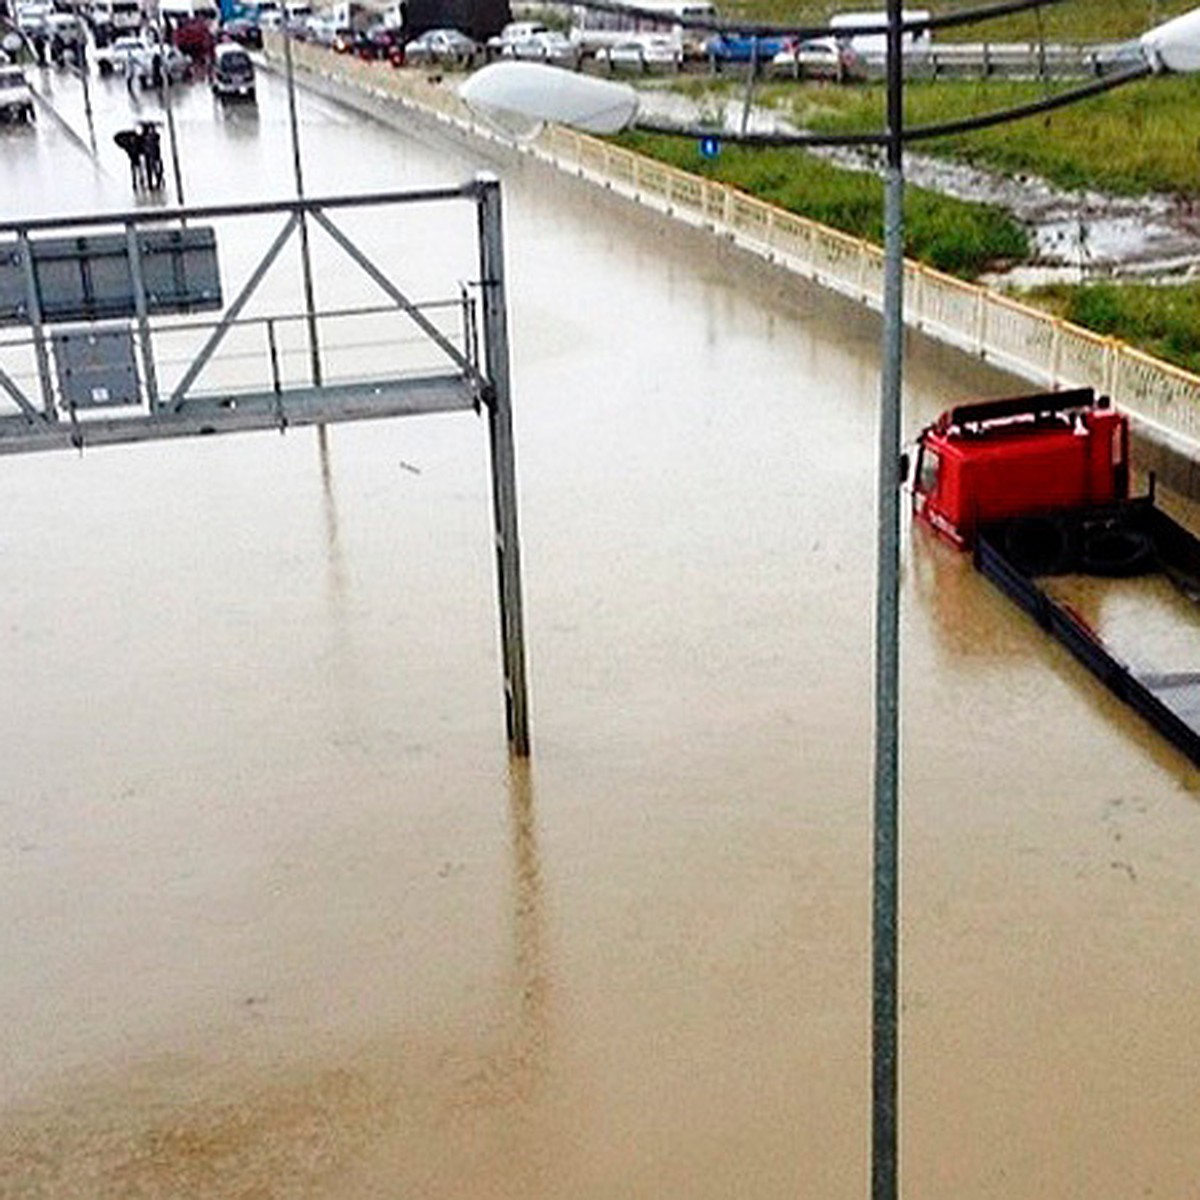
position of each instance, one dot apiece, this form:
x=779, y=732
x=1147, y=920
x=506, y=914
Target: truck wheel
x=1037, y=545
x=1117, y=552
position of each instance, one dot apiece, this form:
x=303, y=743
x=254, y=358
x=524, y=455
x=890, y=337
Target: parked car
x=319, y=29
x=31, y=18
x=114, y=18
x=65, y=26
x=446, y=47
x=232, y=73
x=377, y=43
x=742, y=48
x=113, y=58
x=65, y=38
x=548, y=47
x=16, y=97
x=819, y=58
x=649, y=52
x=514, y=31
x=244, y=32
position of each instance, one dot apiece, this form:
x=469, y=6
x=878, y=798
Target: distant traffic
x=152, y=42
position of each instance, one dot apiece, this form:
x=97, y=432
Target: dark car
x=377, y=43
x=244, y=32
x=232, y=73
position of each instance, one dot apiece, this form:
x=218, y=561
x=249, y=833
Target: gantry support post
x=503, y=463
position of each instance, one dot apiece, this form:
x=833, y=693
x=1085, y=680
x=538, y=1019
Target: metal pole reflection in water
x=528, y=924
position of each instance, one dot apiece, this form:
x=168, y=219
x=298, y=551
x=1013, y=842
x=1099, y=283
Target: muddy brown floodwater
x=280, y=920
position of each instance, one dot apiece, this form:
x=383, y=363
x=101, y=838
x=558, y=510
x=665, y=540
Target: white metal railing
x=1043, y=348
x=1006, y=60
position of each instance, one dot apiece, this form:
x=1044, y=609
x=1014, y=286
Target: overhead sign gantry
x=94, y=297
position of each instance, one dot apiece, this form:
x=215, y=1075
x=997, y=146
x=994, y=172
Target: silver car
x=547, y=47
x=645, y=52
x=447, y=47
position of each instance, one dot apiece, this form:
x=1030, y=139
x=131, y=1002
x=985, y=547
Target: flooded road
x=280, y=920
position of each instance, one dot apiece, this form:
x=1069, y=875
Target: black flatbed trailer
x=1133, y=537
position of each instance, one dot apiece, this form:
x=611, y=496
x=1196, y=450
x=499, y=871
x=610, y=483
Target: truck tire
x=1037, y=545
x=1117, y=552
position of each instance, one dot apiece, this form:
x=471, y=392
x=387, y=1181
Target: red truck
x=1038, y=486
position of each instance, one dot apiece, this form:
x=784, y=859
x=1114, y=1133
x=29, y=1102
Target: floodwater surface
x=280, y=918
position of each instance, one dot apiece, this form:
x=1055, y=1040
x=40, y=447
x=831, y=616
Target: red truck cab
x=1028, y=455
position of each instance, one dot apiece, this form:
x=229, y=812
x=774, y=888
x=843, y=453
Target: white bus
x=592, y=28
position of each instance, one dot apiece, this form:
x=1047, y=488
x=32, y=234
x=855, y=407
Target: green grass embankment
x=1162, y=321
x=1142, y=138
x=952, y=235
x=1070, y=20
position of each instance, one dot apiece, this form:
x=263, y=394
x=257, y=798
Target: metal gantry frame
x=465, y=380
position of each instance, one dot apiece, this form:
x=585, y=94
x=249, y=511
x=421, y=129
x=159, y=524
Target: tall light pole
x=81, y=62
x=885, y=958
x=314, y=350
x=168, y=106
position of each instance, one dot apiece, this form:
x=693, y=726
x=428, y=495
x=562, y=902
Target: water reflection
x=240, y=120
x=948, y=588
x=531, y=1047
x=333, y=548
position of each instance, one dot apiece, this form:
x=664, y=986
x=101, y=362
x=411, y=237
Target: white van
x=844, y=24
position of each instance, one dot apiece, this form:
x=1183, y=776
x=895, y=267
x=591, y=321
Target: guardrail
x=1003, y=60
x=1161, y=398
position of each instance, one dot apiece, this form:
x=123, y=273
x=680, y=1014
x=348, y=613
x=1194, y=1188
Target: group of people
x=144, y=149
